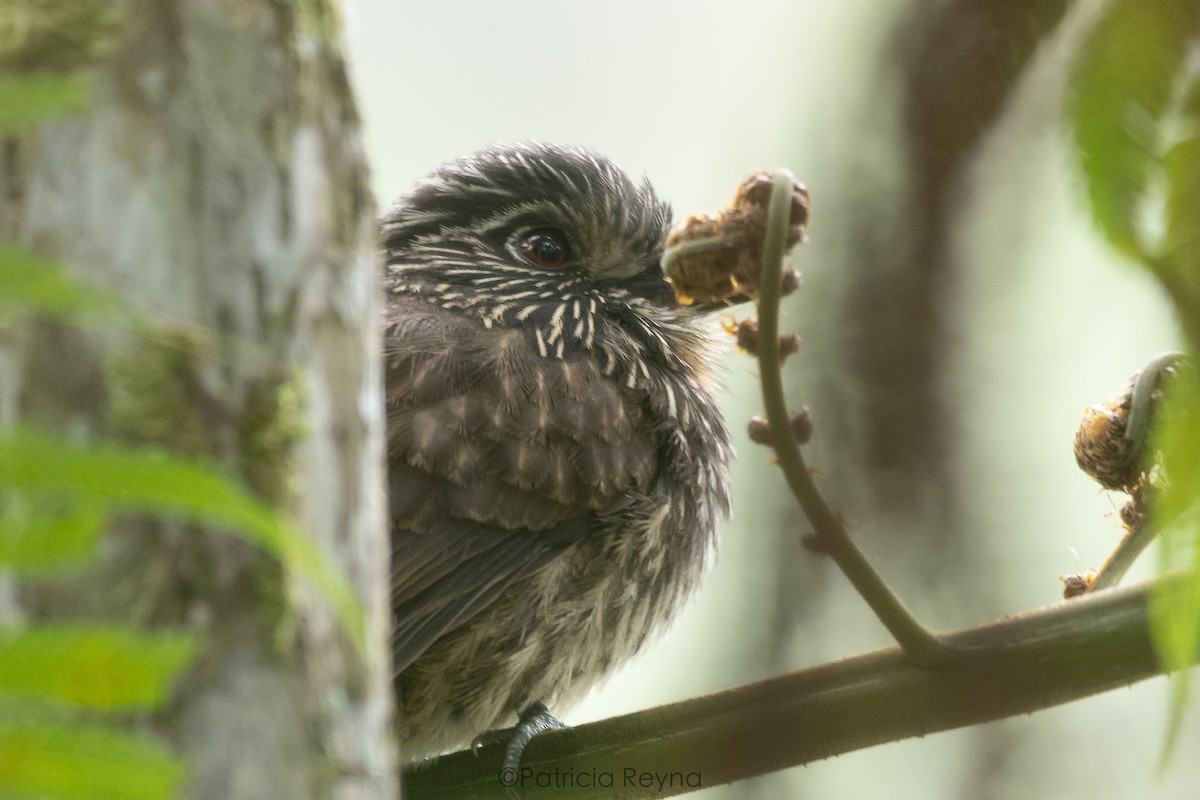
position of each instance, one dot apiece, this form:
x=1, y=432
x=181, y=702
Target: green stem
x=1137, y=428
x=1121, y=559
x=918, y=643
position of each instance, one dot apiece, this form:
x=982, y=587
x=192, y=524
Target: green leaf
x=1180, y=265
x=30, y=282
x=1174, y=619
x=77, y=763
x=1180, y=693
x=56, y=36
x=29, y=711
x=38, y=532
x=1176, y=609
x=93, y=666
x=1175, y=605
x=1122, y=87
x=156, y=482
x=27, y=100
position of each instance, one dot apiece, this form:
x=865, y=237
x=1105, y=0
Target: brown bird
x=557, y=464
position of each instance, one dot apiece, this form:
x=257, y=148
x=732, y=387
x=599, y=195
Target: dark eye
x=545, y=247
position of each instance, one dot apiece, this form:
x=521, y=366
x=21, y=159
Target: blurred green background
x=958, y=312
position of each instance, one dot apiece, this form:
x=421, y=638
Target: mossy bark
x=217, y=185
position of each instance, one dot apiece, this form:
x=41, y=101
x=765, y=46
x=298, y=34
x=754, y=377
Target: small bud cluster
x=759, y=430
x=713, y=257
x=1101, y=448
x=1077, y=584
x=746, y=333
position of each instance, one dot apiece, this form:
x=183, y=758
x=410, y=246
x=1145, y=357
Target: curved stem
x=918, y=643
x=1137, y=431
x=690, y=248
x=1137, y=428
x=1121, y=559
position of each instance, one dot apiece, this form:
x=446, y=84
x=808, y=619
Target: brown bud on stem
x=1077, y=584
x=791, y=282
x=802, y=425
x=714, y=257
x=747, y=336
x=759, y=430
x=789, y=343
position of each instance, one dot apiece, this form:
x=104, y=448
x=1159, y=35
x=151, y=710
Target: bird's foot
x=534, y=720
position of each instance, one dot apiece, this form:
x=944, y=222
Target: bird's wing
x=452, y=570
x=499, y=461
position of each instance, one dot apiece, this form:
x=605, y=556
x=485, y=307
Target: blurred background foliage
x=961, y=305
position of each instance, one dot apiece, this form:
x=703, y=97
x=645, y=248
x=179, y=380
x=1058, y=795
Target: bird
x=557, y=464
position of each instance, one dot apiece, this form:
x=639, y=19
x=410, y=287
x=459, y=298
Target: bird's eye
x=545, y=247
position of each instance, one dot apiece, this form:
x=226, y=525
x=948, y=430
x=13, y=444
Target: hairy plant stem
x=922, y=646
x=1137, y=538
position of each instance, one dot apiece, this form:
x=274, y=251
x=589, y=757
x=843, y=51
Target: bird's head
x=554, y=240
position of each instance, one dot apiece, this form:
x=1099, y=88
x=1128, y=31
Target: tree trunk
x=216, y=184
